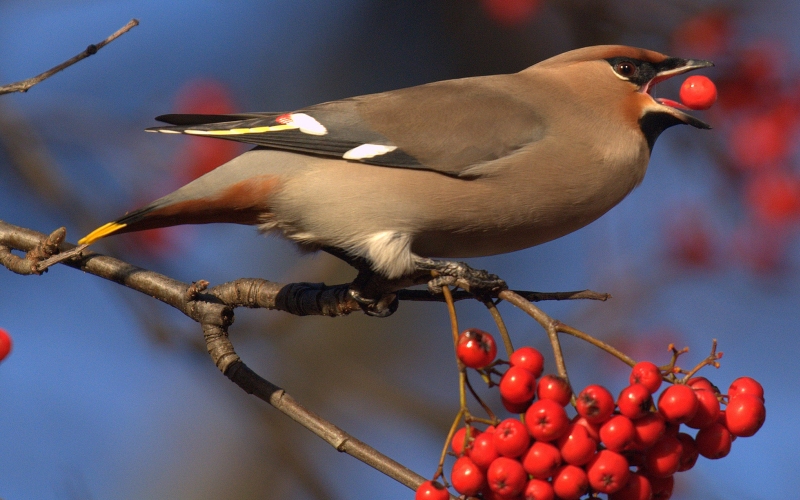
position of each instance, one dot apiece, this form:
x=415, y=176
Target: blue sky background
x=97, y=402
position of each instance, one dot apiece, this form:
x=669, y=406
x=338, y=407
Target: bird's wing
x=453, y=127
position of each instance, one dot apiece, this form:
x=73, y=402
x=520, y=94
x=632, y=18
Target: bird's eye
x=625, y=68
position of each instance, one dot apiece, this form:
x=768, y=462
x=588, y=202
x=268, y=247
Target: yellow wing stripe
x=242, y=131
x=101, y=232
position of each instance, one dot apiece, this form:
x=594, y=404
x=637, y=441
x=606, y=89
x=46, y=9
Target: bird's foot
x=460, y=274
x=373, y=294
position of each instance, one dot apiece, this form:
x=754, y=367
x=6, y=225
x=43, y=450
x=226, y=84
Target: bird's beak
x=667, y=69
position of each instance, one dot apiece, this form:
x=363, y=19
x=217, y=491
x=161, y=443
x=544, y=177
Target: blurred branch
x=25, y=85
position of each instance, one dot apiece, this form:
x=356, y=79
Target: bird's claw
x=460, y=274
x=381, y=307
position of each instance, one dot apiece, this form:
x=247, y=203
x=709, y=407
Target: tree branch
x=25, y=85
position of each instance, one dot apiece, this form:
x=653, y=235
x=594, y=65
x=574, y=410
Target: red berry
x=511, y=13
x=701, y=383
x=516, y=407
x=648, y=430
x=634, y=401
x=677, y=404
x=595, y=404
x=476, y=348
x=663, y=458
x=662, y=487
x=576, y=446
x=542, y=460
x=483, y=451
x=618, y=433
x=460, y=441
x=506, y=476
x=607, y=472
x=746, y=385
x=744, y=415
x=698, y=92
x=538, y=489
x=555, y=388
x=713, y=441
x=688, y=452
x=570, y=483
x=5, y=344
x=467, y=478
x=431, y=491
x=593, y=429
x=517, y=385
x=546, y=420
x=529, y=358
x=707, y=409
x=647, y=374
x=637, y=488
x=511, y=438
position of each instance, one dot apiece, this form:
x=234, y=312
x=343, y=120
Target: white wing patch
x=368, y=151
x=305, y=123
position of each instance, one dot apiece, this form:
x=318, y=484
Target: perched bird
x=458, y=168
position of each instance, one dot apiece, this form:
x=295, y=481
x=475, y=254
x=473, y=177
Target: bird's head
x=626, y=76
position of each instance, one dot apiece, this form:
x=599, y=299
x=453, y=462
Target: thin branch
x=25, y=85
x=213, y=309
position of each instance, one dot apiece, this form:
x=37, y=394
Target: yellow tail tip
x=101, y=232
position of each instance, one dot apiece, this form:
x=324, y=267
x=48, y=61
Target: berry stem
x=501, y=326
x=597, y=343
x=711, y=360
x=440, y=469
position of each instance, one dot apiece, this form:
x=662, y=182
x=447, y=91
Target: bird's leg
x=459, y=274
x=372, y=291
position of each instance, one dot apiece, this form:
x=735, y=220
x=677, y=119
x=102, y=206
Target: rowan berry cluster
x=628, y=448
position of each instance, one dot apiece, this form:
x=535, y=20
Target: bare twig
x=25, y=85
x=213, y=309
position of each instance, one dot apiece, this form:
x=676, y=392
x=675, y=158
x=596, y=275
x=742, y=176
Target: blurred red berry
x=648, y=430
x=607, y=472
x=476, y=348
x=744, y=415
x=529, y=358
x=430, y=490
x=705, y=35
x=707, y=409
x=758, y=141
x=483, y=451
x=677, y=404
x=713, y=441
x=511, y=13
x=647, y=374
x=466, y=477
x=511, y=438
x=546, y=420
x=635, y=401
x=662, y=487
x=538, y=489
x=664, y=457
x=595, y=404
x=461, y=442
x=576, y=446
x=689, y=452
x=698, y=92
x=746, y=385
x=617, y=433
x=506, y=477
x=570, y=483
x=774, y=197
x=5, y=344
x=542, y=460
x=637, y=488
x=555, y=388
x=517, y=385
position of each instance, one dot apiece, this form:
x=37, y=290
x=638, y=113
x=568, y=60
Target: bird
x=452, y=169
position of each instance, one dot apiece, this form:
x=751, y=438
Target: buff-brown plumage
x=459, y=168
